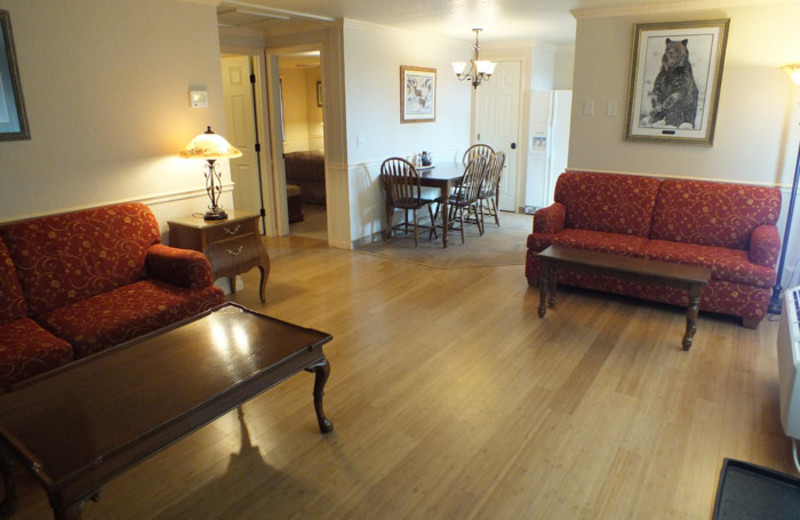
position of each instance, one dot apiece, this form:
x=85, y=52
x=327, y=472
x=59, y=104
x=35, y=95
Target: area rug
x=504, y=245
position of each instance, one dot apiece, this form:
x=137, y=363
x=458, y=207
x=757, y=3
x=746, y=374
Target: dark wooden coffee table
x=688, y=277
x=78, y=427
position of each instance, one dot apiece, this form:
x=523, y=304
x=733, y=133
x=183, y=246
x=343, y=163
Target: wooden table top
x=627, y=264
x=117, y=406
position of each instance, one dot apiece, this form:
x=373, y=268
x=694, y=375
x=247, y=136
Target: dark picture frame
x=676, y=74
x=417, y=94
x=13, y=119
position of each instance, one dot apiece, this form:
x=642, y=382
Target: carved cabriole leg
x=9, y=504
x=691, y=315
x=321, y=372
x=262, y=286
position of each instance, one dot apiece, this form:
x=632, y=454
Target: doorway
x=497, y=104
x=272, y=133
x=301, y=98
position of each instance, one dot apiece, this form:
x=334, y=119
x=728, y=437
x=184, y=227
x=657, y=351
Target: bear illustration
x=674, y=95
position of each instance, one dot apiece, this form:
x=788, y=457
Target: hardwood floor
x=451, y=399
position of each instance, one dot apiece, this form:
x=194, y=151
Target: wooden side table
x=233, y=246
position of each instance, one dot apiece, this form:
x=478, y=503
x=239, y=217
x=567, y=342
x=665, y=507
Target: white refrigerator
x=548, y=145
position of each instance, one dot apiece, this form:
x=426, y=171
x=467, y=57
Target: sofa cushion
x=12, y=303
x=713, y=213
x=731, y=265
x=113, y=317
x=26, y=349
x=598, y=241
x=62, y=259
x=608, y=202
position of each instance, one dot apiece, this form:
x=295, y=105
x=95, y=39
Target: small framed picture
x=13, y=120
x=417, y=94
x=676, y=73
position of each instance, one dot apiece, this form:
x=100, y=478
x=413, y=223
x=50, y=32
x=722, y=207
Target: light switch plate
x=198, y=98
x=588, y=107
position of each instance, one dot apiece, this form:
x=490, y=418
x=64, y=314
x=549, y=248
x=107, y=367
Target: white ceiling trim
x=688, y=5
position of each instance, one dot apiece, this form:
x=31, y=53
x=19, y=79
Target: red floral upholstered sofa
x=727, y=227
x=77, y=283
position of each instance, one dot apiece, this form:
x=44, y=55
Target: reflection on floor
x=314, y=224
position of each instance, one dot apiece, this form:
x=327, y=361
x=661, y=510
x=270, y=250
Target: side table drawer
x=231, y=230
x=238, y=253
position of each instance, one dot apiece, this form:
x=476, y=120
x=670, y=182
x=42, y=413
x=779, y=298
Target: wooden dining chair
x=465, y=196
x=490, y=191
x=403, y=191
x=477, y=150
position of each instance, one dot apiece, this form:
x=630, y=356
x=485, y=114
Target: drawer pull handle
x=235, y=253
x=235, y=230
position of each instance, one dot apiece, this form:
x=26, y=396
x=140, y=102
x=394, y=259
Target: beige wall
x=754, y=106
x=373, y=55
x=106, y=89
x=302, y=116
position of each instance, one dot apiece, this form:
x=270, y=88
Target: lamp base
x=216, y=214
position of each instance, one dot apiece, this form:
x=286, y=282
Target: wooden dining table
x=444, y=176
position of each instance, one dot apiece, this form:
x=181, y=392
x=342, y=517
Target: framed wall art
x=676, y=73
x=13, y=121
x=417, y=94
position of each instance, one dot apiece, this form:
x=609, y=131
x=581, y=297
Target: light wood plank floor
x=451, y=399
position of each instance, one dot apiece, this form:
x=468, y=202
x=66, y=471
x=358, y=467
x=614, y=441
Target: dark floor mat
x=747, y=491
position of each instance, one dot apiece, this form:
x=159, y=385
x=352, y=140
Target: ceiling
x=543, y=21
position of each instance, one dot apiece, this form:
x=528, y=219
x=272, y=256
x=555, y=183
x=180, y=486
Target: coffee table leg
x=321, y=372
x=691, y=315
x=553, y=281
x=9, y=505
x=66, y=512
x=544, y=285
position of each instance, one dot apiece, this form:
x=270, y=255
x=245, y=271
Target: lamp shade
x=793, y=71
x=209, y=145
x=485, y=67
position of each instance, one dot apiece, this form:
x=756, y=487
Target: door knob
x=513, y=146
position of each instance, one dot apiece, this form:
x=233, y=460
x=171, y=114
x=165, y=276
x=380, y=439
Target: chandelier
x=477, y=70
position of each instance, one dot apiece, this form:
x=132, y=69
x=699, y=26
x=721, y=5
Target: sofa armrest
x=765, y=245
x=181, y=267
x=550, y=220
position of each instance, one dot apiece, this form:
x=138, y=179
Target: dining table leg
x=445, y=214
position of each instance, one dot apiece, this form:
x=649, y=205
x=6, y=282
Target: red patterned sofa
x=77, y=283
x=728, y=227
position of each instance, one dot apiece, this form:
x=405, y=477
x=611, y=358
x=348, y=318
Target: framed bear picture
x=676, y=73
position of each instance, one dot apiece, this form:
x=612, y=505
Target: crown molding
x=668, y=7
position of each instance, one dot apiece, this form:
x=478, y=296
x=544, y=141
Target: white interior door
x=241, y=131
x=497, y=110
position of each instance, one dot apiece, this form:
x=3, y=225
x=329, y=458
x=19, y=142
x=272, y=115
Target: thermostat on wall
x=198, y=98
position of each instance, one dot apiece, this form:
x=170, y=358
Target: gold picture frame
x=13, y=119
x=676, y=74
x=417, y=94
